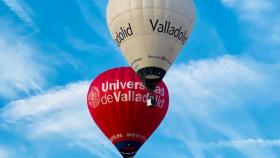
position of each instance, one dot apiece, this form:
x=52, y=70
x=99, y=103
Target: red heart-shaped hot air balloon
x=117, y=103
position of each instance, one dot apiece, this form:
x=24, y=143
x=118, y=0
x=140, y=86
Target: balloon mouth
x=151, y=76
x=128, y=148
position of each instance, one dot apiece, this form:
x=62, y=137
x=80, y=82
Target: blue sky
x=224, y=85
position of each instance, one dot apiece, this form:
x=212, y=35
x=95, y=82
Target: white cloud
x=4, y=153
x=262, y=15
x=215, y=98
x=21, y=71
x=22, y=11
x=248, y=8
x=216, y=82
x=218, y=94
x=253, y=148
x=61, y=113
x=276, y=32
x=244, y=143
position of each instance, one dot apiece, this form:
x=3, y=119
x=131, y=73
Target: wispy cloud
x=97, y=20
x=22, y=11
x=206, y=95
x=244, y=143
x=224, y=76
x=251, y=10
x=101, y=5
x=215, y=95
x=61, y=114
x=260, y=24
x=21, y=69
x=4, y=153
x=83, y=46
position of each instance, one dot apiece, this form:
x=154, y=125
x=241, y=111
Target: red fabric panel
x=117, y=103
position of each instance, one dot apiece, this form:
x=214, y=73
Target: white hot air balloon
x=150, y=33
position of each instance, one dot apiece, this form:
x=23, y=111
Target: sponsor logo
x=167, y=27
x=118, y=95
x=94, y=97
x=164, y=27
x=135, y=61
x=123, y=92
x=136, y=135
x=163, y=58
x=118, y=136
x=123, y=34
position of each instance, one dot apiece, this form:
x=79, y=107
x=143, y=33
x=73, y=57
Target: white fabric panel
x=145, y=30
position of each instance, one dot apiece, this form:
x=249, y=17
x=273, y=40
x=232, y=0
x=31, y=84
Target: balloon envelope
x=150, y=33
x=117, y=103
